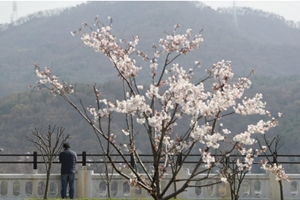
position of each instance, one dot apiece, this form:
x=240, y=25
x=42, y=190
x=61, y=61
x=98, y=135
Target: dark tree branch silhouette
x=49, y=144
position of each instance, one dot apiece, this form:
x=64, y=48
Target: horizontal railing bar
x=94, y=158
x=148, y=155
x=103, y=162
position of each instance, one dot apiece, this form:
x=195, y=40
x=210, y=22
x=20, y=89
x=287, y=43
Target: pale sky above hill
x=290, y=10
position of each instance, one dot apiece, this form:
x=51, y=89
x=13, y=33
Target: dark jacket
x=68, y=159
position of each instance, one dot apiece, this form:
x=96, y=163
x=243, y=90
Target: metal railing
x=90, y=185
x=82, y=158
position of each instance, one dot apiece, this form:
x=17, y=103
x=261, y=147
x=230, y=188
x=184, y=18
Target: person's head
x=66, y=145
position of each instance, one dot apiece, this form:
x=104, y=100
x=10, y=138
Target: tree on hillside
x=177, y=112
x=49, y=147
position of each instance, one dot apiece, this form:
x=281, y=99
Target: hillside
x=260, y=42
x=22, y=112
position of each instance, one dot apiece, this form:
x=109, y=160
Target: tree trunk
x=281, y=190
x=108, y=190
x=47, y=181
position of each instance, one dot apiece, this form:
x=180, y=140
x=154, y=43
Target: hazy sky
x=290, y=10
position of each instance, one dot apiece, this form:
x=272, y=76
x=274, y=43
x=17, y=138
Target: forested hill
x=22, y=112
x=261, y=42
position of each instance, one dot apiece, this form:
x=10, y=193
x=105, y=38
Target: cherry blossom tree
x=175, y=111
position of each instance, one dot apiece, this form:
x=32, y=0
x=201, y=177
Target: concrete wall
x=91, y=185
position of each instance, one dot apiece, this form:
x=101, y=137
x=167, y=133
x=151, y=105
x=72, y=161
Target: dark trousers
x=65, y=180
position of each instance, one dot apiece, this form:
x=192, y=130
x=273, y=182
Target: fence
x=92, y=185
x=84, y=161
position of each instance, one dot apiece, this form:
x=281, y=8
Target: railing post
x=84, y=180
x=34, y=163
x=84, y=158
x=274, y=190
x=34, y=160
x=132, y=162
x=179, y=159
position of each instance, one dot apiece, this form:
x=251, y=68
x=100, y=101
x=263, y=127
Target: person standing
x=68, y=159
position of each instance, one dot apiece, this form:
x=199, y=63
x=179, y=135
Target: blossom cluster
x=278, y=170
x=45, y=78
x=207, y=158
x=180, y=43
x=102, y=41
